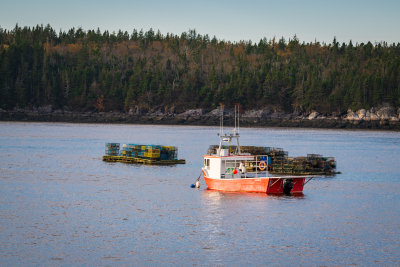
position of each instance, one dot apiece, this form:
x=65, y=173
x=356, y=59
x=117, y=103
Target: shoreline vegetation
x=383, y=118
x=149, y=77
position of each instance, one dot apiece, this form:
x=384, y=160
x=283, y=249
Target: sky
x=230, y=20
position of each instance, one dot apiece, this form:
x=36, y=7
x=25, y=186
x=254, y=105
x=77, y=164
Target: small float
x=228, y=170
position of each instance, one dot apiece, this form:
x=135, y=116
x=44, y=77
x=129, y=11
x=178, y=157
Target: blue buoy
x=192, y=186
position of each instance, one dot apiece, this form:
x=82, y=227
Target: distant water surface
x=61, y=205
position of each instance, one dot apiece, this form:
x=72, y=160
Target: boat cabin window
x=207, y=162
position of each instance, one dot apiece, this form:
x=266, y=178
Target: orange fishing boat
x=238, y=171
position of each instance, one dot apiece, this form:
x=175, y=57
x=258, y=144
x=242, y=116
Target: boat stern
x=289, y=185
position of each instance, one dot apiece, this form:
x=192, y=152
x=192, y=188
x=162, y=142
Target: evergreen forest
x=102, y=71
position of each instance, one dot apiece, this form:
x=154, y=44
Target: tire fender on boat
x=287, y=186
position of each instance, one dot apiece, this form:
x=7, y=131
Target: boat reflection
x=217, y=195
x=224, y=213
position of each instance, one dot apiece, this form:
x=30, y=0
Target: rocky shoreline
x=382, y=118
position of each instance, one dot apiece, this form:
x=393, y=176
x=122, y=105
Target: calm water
x=61, y=205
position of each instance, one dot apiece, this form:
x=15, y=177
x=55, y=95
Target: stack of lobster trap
x=146, y=154
x=112, y=149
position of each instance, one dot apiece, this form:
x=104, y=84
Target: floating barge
x=125, y=159
x=142, y=154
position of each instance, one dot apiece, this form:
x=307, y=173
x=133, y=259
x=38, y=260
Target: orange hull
x=269, y=185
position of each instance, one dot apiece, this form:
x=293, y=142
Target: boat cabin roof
x=230, y=157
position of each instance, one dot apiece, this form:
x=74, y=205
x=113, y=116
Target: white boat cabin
x=223, y=165
x=226, y=165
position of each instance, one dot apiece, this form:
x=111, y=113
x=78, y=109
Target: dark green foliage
x=90, y=70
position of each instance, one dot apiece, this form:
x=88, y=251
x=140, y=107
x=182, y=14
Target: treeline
x=103, y=71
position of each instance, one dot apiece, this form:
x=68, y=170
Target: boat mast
x=223, y=137
x=221, y=127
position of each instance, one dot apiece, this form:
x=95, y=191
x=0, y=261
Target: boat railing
x=258, y=167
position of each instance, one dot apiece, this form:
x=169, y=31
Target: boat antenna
x=238, y=117
x=221, y=124
x=236, y=130
x=235, y=119
x=237, y=113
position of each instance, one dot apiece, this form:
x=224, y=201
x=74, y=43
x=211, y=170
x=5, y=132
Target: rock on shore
x=384, y=117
